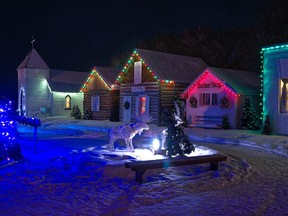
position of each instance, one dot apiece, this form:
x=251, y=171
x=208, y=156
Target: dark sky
x=78, y=35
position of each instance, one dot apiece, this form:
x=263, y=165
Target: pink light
x=207, y=73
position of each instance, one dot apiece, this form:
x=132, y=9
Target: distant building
x=275, y=79
x=217, y=92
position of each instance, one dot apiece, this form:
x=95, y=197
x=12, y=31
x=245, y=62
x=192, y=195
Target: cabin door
x=127, y=108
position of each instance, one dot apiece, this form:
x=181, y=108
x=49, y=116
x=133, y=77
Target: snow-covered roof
x=33, y=61
x=174, y=67
x=108, y=74
x=64, y=87
x=240, y=80
x=66, y=81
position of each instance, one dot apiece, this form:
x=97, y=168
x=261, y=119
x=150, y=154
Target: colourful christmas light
x=216, y=80
x=131, y=60
x=93, y=73
x=265, y=82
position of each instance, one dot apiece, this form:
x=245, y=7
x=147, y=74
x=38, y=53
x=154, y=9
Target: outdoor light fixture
x=157, y=147
x=156, y=144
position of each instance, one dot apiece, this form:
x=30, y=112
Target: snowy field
x=69, y=171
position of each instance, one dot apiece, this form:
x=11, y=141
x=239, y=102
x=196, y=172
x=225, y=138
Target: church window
x=67, y=102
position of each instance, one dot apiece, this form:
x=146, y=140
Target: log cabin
x=151, y=81
x=101, y=99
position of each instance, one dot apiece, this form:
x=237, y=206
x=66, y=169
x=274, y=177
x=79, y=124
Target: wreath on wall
x=193, y=102
x=224, y=102
x=126, y=105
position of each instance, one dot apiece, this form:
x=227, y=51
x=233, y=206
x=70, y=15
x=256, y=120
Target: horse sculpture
x=126, y=132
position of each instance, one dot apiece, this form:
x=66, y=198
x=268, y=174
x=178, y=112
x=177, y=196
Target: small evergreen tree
x=249, y=119
x=87, y=114
x=225, y=122
x=76, y=112
x=267, y=130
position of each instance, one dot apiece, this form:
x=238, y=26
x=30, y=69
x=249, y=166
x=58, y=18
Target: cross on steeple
x=32, y=42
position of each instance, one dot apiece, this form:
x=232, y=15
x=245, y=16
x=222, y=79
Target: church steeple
x=33, y=61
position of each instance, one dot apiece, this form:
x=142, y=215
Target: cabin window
x=95, y=103
x=68, y=102
x=283, y=96
x=137, y=72
x=207, y=99
x=204, y=99
x=214, y=99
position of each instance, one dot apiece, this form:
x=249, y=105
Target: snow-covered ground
x=69, y=171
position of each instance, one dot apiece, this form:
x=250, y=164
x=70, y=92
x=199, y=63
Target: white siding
x=59, y=103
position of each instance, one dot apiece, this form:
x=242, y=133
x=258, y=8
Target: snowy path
x=251, y=182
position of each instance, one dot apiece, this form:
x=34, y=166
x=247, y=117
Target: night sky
x=77, y=35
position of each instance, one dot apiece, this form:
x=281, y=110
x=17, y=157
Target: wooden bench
x=140, y=167
x=208, y=122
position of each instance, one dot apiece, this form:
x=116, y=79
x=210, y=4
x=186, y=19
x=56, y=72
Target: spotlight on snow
x=156, y=144
x=158, y=148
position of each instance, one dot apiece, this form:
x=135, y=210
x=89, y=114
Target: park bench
x=140, y=167
x=208, y=122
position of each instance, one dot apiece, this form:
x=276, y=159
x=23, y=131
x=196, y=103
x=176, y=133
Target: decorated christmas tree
x=249, y=119
x=267, y=126
x=9, y=140
x=176, y=142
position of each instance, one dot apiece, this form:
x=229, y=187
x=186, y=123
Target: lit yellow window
x=67, y=102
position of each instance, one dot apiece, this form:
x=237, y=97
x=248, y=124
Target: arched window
x=67, y=102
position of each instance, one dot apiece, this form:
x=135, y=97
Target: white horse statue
x=126, y=132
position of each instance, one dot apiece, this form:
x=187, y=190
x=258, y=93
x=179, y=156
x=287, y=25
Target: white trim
x=137, y=72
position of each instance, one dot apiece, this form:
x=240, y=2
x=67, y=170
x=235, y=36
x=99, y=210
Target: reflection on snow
x=120, y=156
x=202, y=150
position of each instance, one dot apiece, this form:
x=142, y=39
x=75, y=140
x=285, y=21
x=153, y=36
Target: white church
x=45, y=91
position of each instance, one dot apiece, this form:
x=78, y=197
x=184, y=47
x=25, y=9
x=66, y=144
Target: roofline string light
x=272, y=48
x=93, y=73
x=261, y=78
x=130, y=61
x=208, y=73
